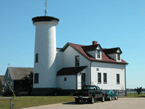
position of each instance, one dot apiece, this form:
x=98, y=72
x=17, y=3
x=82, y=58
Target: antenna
x=46, y=8
x=8, y=64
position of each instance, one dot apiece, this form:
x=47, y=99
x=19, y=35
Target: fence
x=121, y=92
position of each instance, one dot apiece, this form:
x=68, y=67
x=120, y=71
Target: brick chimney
x=94, y=42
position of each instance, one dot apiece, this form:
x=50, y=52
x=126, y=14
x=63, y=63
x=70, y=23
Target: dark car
x=89, y=93
x=109, y=94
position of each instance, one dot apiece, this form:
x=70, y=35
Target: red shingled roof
x=90, y=47
x=105, y=58
x=111, y=50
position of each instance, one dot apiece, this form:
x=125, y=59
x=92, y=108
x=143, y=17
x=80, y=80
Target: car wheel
x=116, y=98
x=77, y=100
x=103, y=99
x=92, y=100
x=110, y=98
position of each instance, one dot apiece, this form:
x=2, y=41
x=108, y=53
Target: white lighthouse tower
x=45, y=52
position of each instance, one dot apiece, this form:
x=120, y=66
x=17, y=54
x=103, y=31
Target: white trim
x=117, y=57
x=118, y=51
x=54, y=22
x=96, y=56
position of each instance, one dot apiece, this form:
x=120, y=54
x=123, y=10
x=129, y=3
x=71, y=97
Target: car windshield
x=89, y=88
x=106, y=91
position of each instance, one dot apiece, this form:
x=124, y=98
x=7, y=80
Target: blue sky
x=113, y=23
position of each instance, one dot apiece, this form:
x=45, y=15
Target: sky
x=113, y=23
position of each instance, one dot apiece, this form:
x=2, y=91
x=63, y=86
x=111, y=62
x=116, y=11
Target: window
x=65, y=79
x=99, y=78
x=98, y=88
x=77, y=63
x=105, y=77
x=118, y=79
x=36, y=79
x=112, y=92
x=36, y=58
x=89, y=88
x=118, y=56
x=97, y=69
x=98, y=54
x=83, y=79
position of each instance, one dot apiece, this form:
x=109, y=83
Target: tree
x=138, y=90
x=1, y=87
x=27, y=83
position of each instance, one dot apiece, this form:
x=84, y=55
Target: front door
x=83, y=79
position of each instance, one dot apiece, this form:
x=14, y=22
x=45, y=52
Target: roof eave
x=66, y=45
x=71, y=74
x=109, y=62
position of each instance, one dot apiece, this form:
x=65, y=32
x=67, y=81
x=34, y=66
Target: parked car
x=109, y=94
x=89, y=93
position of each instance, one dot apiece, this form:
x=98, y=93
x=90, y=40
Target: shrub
x=1, y=87
x=138, y=90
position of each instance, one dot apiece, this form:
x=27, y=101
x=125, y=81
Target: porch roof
x=70, y=70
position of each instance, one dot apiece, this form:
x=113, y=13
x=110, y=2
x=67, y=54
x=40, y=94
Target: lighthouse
x=45, y=52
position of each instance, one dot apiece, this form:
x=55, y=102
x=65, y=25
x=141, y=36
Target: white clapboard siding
x=70, y=83
x=111, y=70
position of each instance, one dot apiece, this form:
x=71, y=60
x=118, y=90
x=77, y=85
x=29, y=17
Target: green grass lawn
x=30, y=101
x=135, y=95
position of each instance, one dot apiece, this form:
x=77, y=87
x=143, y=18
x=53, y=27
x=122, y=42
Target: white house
x=74, y=65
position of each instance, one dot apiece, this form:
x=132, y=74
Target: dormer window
x=94, y=50
x=118, y=56
x=114, y=53
x=98, y=54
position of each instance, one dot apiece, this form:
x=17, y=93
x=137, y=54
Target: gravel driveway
x=121, y=103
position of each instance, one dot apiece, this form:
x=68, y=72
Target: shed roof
x=18, y=73
x=70, y=70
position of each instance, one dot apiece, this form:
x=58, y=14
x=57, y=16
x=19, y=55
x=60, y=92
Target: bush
x=1, y=87
x=138, y=90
